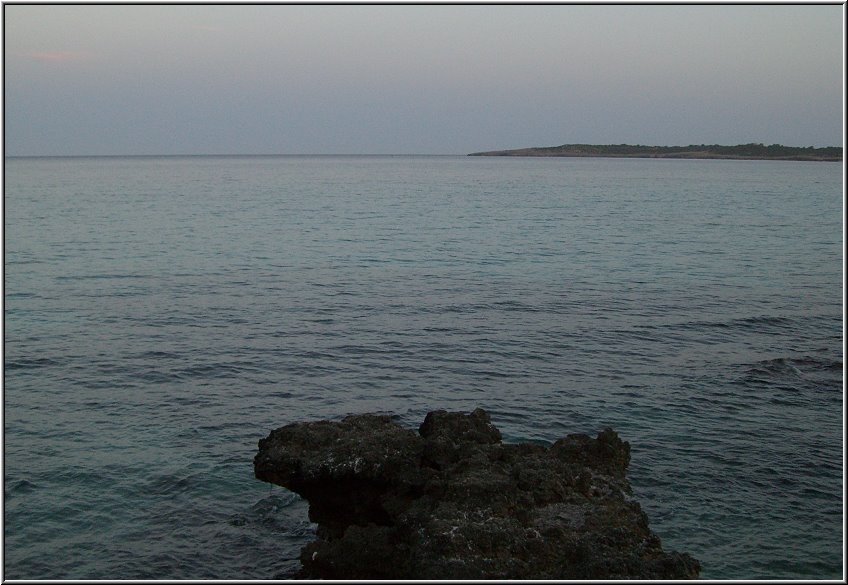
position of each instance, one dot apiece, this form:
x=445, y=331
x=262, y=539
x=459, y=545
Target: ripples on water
x=163, y=314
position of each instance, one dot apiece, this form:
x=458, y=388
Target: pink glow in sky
x=56, y=56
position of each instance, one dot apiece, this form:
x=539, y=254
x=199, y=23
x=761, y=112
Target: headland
x=752, y=151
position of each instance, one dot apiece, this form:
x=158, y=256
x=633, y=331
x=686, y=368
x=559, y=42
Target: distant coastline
x=739, y=152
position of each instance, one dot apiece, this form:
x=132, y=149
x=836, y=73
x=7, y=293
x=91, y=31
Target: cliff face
x=453, y=502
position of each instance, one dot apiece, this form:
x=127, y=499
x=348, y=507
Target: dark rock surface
x=453, y=502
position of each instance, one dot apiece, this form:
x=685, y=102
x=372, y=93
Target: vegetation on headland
x=753, y=151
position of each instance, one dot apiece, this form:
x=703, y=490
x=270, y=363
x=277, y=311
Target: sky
x=411, y=79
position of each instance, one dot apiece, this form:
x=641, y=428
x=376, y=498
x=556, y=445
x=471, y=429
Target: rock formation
x=453, y=502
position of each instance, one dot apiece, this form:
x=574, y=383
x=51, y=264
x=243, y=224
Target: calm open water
x=164, y=314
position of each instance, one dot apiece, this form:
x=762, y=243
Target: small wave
x=819, y=364
x=22, y=486
x=156, y=377
x=166, y=321
x=764, y=320
x=757, y=322
x=510, y=306
x=20, y=295
x=274, y=503
x=157, y=355
x=777, y=366
x=272, y=513
x=171, y=484
x=28, y=363
x=206, y=371
x=819, y=371
x=101, y=277
x=27, y=261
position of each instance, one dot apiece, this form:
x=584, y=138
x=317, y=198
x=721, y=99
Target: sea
x=163, y=314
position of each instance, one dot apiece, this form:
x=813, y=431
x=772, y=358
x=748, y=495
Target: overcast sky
x=264, y=79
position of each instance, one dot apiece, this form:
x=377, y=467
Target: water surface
x=163, y=314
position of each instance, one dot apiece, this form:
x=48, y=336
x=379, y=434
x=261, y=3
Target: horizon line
x=375, y=154
x=5, y=156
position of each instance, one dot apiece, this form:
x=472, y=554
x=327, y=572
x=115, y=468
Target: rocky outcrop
x=453, y=502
